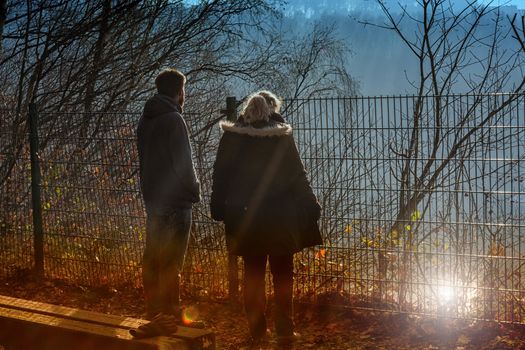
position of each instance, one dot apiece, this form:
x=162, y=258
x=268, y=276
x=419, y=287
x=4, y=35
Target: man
x=169, y=187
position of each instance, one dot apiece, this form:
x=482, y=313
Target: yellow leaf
x=348, y=229
x=416, y=215
x=394, y=234
x=408, y=227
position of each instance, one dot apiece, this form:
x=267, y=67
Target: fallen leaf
x=463, y=340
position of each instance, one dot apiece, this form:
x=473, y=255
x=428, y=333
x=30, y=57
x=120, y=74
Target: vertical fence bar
x=233, y=263
x=231, y=108
x=38, y=231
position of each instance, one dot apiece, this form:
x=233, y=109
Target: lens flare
x=189, y=315
x=446, y=294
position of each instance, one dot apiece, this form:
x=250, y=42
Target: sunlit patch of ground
x=320, y=327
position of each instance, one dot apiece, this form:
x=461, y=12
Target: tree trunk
x=3, y=16
x=97, y=56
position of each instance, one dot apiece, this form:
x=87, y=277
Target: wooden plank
x=70, y=313
x=25, y=330
x=197, y=338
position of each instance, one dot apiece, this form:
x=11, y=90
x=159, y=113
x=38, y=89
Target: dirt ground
x=320, y=327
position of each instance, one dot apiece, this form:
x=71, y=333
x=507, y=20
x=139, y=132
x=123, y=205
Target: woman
x=261, y=192
x=274, y=103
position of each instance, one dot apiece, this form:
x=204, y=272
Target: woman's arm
x=221, y=177
x=299, y=181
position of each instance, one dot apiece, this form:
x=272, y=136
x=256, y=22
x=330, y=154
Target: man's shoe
x=161, y=324
x=258, y=343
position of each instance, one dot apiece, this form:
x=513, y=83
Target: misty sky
x=379, y=60
x=519, y=3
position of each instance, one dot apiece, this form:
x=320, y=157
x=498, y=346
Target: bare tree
x=313, y=65
x=80, y=61
x=3, y=14
x=520, y=37
x=452, y=48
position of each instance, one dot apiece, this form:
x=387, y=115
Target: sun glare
x=445, y=294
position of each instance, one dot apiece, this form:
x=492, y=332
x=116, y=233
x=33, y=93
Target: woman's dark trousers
x=281, y=267
x=166, y=242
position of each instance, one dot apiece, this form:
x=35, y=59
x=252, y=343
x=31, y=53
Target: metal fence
x=16, y=240
x=423, y=204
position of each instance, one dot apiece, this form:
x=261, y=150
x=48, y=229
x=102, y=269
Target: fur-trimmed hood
x=269, y=129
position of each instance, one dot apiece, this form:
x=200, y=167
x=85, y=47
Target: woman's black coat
x=261, y=192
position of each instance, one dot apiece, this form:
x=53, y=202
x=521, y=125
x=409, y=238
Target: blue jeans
x=166, y=243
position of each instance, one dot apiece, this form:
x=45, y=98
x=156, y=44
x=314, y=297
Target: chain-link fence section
x=16, y=239
x=423, y=203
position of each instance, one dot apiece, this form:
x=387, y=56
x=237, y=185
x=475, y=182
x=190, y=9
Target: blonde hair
x=256, y=109
x=273, y=101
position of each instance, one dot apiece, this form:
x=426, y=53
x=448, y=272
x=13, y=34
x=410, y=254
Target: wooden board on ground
x=29, y=325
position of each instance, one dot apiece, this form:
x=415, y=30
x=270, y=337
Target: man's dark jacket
x=167, y=175
x=261, y=192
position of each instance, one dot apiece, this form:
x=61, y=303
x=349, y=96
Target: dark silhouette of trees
x=102, y=56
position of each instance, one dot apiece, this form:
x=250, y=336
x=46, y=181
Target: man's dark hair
x=169, y=82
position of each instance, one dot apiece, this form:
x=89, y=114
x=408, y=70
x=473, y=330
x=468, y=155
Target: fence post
x=233, y=264
x=231, y=108
x=38, y=231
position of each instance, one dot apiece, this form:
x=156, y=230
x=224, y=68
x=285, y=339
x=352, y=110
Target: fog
x=379, y=60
